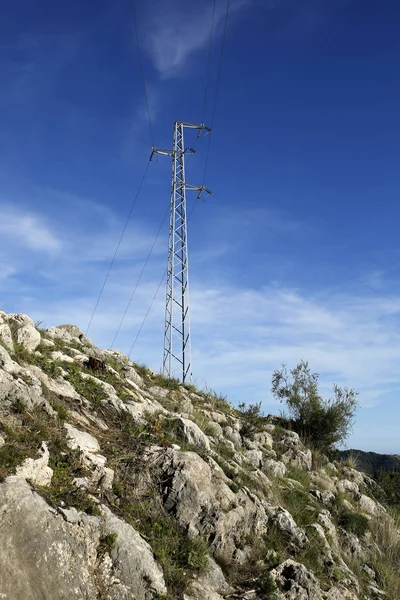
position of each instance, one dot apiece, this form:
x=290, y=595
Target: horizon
x=294, y=256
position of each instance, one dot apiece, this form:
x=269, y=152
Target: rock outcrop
x=117, y=484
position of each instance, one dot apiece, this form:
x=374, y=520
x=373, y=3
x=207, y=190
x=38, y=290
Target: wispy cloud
x=240, y=333
x=177, y=29
x=27, y=230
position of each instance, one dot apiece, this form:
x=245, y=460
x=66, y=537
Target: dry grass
x=386, y=560
x=351, y=462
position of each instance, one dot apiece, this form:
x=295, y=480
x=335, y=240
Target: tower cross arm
x=198, y=188
x=201, y=127
x=155, y=150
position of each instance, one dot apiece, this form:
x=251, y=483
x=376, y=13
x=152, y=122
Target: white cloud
x=240, y=334
x=27, y=230
x=177, y=29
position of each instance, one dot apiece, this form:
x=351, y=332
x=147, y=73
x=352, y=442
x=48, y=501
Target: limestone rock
x=81, y=440
x=68, y=333
x=232, y=435
x=42, y=556
x=209, y=585
x=28, y=337
x=45, y=556
x=275, y=468
x=296, y=581
x=37, y=470
x=133, y=560
x=202, y=502
x=297, y=457
x=288, y=526
x=368, y=506
x=6, y=337
x=192, y=433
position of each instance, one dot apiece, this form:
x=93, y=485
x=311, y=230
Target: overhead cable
x=147, y=313
x=140, y=277
x=208, y=63
x=216, y=88
x=118, y=245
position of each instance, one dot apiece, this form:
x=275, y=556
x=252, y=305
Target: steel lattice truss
x=177, y=344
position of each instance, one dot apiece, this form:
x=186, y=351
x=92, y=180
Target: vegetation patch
x=107, y=544
x=87, y=387
x=252, y=419
x=354, y=522
x=138, y=498
x=321, y=423
x=42, y=360
x=23, y=439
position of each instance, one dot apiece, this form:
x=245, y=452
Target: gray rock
x=289, y=528
x=68, y=333
x=29, y=337
x=275, y=468
x=42, y=556
x=232, y=435
x=45, y=555
x=6, y=337
x=133, y=560
x=37, y=470
x=192, y=433
x=255, y=457
x=297, y=582
x=209, y=585
x=198, y=495
x=368, y=506
x=297, y=457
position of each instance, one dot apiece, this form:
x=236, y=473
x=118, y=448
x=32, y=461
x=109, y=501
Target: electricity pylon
x=177, y=344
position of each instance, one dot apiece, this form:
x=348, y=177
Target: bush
x=354, y=522
x=390, y=483
x=323, y=423
x=253, y=421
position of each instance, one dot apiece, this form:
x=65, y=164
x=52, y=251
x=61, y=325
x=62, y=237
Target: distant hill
x=372, y=463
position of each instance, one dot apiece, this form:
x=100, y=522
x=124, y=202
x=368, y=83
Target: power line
x=208, y=63
x=147, y=313
x=140, y=277
x=142, y=71
x=216, y=88
x=118, y=246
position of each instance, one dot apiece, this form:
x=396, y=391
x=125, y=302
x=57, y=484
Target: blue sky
x=295, y=255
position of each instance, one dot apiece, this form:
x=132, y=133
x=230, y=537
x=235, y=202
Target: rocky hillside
x=117, y=484
x=373, y=463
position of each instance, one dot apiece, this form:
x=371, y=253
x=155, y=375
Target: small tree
x=324, y=423
x=253, y=420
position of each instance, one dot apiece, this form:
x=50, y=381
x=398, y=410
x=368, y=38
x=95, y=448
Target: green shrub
x=390, y=484
x=323, y=423
x=354, y=522
x=252, y=419
x=85, y=386
x=107, y=543
x=265, y=585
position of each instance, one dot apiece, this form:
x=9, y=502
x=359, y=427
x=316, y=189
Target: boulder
x=296, y=581
x=298, y=457
x=275, y=468
x=6, y=337
x=48, y=555
x=192, y=433
x=200, y=499
x=68, y=334
x=37, y=471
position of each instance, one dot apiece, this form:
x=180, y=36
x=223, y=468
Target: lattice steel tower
x=177, y=345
